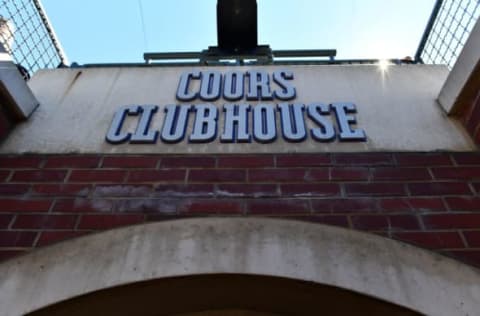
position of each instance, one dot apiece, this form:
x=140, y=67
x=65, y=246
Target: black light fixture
x=237, y=25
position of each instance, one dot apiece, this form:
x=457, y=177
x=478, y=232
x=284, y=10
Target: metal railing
x=27, y=35
x=447, y=31
x=261, y=55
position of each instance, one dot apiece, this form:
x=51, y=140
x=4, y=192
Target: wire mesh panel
x=451, y=25
x=27, y=35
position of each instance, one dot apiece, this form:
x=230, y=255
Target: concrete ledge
x=366, y=264
x=14, y=91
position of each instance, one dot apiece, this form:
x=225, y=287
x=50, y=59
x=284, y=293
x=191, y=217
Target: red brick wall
x=431, y=200
x=471, y=117
x=6, y=123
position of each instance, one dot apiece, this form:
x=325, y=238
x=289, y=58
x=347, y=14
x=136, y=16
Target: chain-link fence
x=449, y=28
x=27, y=35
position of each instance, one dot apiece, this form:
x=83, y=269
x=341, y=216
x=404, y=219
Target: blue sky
x=101, y=31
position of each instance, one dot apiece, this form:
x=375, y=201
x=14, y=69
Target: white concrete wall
x=397, y=109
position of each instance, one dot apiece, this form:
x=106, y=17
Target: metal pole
x=166, y=56
x=428, y=30
x=50, y=31
x=305, y=53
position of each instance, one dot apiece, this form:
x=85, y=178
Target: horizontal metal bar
x=277, y=53
x=306, y=53
x=279, y=62
x=173, y=55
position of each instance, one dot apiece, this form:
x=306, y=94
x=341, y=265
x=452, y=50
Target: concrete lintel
x=18, y=97
x=464, y=79
x=365, y=264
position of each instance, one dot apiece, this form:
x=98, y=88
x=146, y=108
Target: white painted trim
x=370, y=265
x=5, y=57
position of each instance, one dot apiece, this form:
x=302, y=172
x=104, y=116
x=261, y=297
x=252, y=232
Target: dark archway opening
x=226, y=295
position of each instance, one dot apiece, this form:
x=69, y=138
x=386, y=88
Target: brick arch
x=365, y=264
